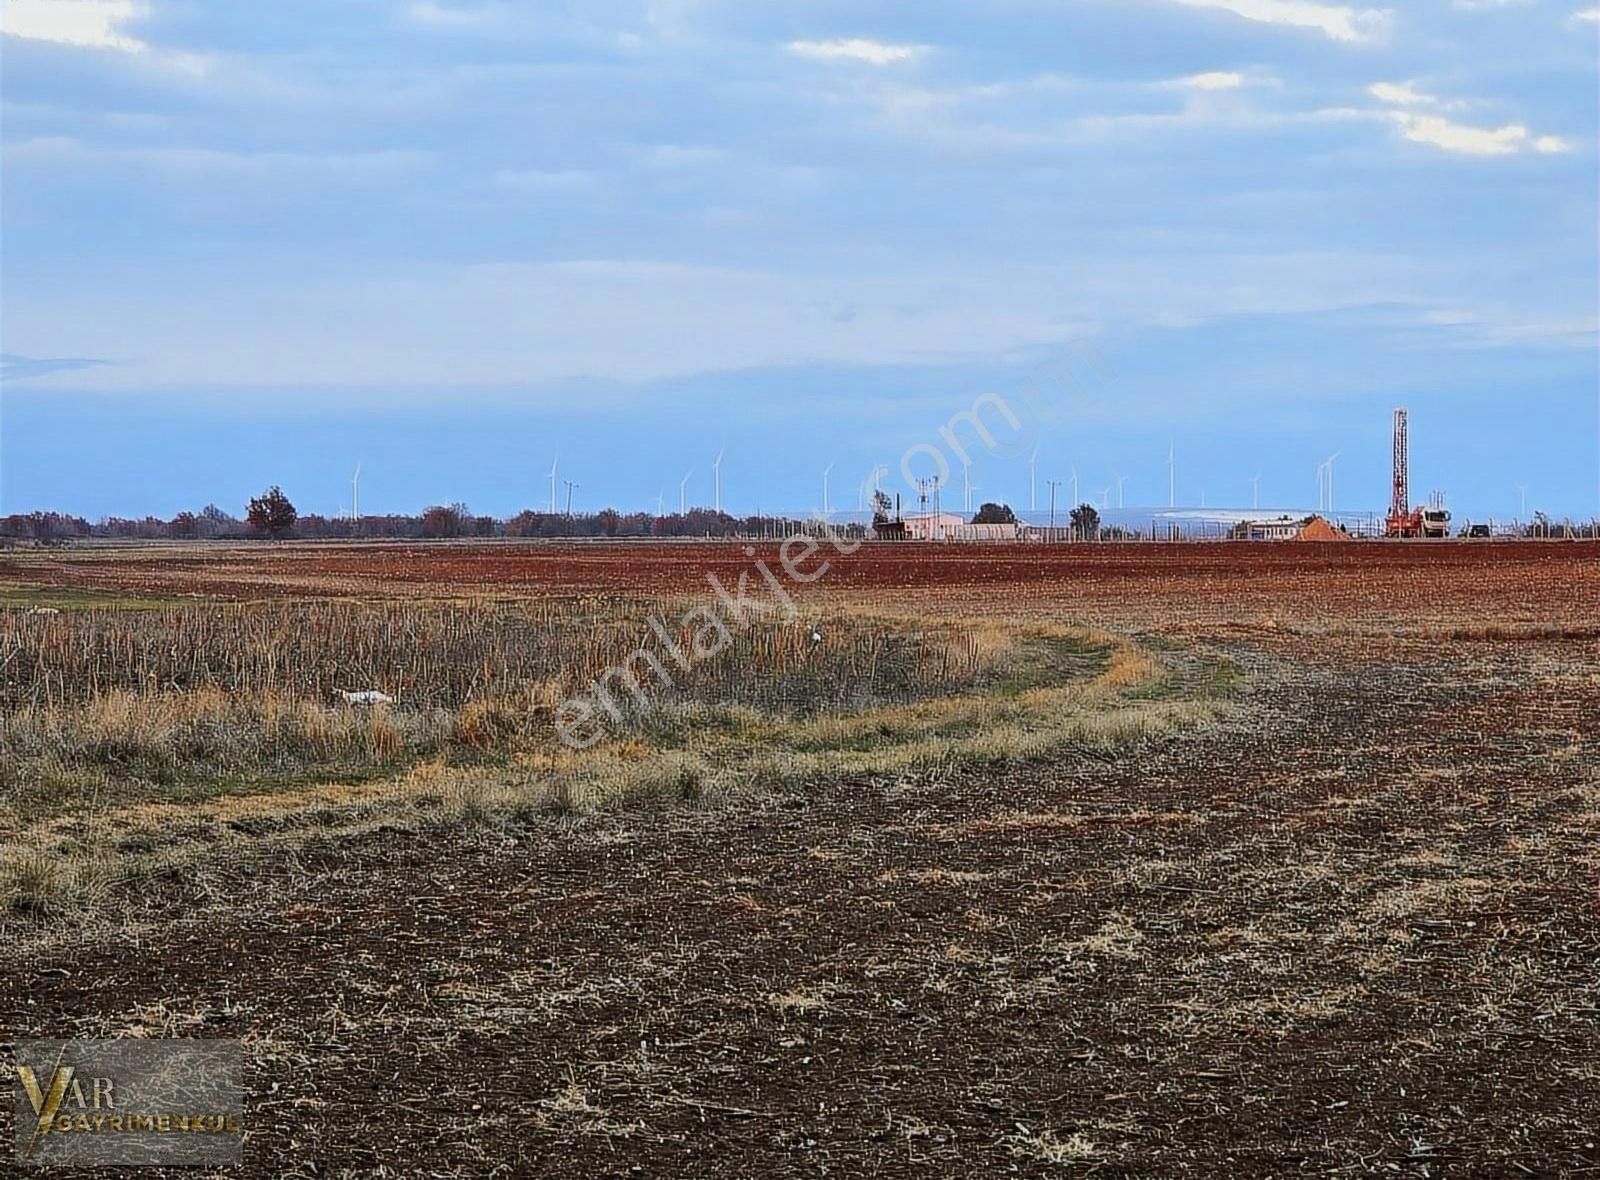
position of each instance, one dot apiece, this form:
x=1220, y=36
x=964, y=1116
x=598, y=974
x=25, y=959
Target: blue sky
x=250, y=243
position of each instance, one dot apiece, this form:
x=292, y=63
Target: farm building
x=1284, y=528
x=949, y=526
x=934, y=526
x=987, y=532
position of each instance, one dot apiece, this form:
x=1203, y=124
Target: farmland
x=1143, y=859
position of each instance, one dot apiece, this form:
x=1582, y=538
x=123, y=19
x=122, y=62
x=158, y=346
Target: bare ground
x=1353, y=929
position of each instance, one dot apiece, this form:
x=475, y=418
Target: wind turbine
x=1121, y=501
x=570, y=486
x=683, y=501
x=1255, y=491
x=716, y=473
x=966, y=484
x=661, y=502
x=1328, y=463
x=1033, y=483
x=1172, y=474
x=1105, y=498
x=1523, y=488
x=1075, y=501
x=355, y=501
x=827, y=510
x=554, y=464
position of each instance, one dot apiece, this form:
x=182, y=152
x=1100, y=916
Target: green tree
x=271, y=513
x=1085, y=520
x=989, y=513
x=881, y=505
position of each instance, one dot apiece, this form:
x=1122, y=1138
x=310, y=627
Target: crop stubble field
x=1331, y=907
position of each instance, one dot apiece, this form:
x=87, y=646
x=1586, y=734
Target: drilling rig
x=1404, y=520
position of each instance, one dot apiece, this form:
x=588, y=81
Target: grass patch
x=181, y=774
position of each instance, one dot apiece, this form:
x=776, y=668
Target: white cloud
x=1214, y=80
x=1401, y=94
x=424, y=12
x=1335, y=21
x=1439, y=132
x=93, y=24
x=875, y=53
x=1591, y=15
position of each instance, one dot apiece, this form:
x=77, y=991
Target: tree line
x=273, y=516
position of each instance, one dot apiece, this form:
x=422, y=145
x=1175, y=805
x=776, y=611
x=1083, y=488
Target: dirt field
x=1349, y=927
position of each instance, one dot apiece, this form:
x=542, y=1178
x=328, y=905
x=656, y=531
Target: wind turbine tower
x=553, y=465
x=716, y=473
x=683, y=494
x=355, y=496
x=827, y=509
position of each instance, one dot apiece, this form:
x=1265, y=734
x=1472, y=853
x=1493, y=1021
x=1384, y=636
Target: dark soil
x=1354, y=929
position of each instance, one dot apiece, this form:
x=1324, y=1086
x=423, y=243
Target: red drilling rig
x=1404, y=520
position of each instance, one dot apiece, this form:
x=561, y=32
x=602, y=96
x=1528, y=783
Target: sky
x=456, y=242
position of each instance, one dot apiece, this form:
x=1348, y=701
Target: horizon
x=451, y=242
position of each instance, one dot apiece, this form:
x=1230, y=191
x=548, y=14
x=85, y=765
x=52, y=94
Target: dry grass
x=449, y=655
x=151, y=779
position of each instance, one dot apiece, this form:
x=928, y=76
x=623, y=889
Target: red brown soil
x=1517, y=581
x=1353, y=930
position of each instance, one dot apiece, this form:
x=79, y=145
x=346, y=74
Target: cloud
x=14, y=367
x=1591, y=15
x=1400, y=94
x=424, y=12
x=1334, y=21
x=1214, y=80
x=875, y=53
x=1439, y=132
x=93, y=24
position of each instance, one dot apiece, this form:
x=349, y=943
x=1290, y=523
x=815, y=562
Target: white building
x=934, y=526
x=950, y=526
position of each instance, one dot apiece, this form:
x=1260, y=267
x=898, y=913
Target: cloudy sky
x=248, y=243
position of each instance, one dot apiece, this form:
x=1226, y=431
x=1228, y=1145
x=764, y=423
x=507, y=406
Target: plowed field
x=1351, y=928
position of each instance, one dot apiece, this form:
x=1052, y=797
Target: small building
x=1010, y=531
x=1288, y=528
x=934, y=526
